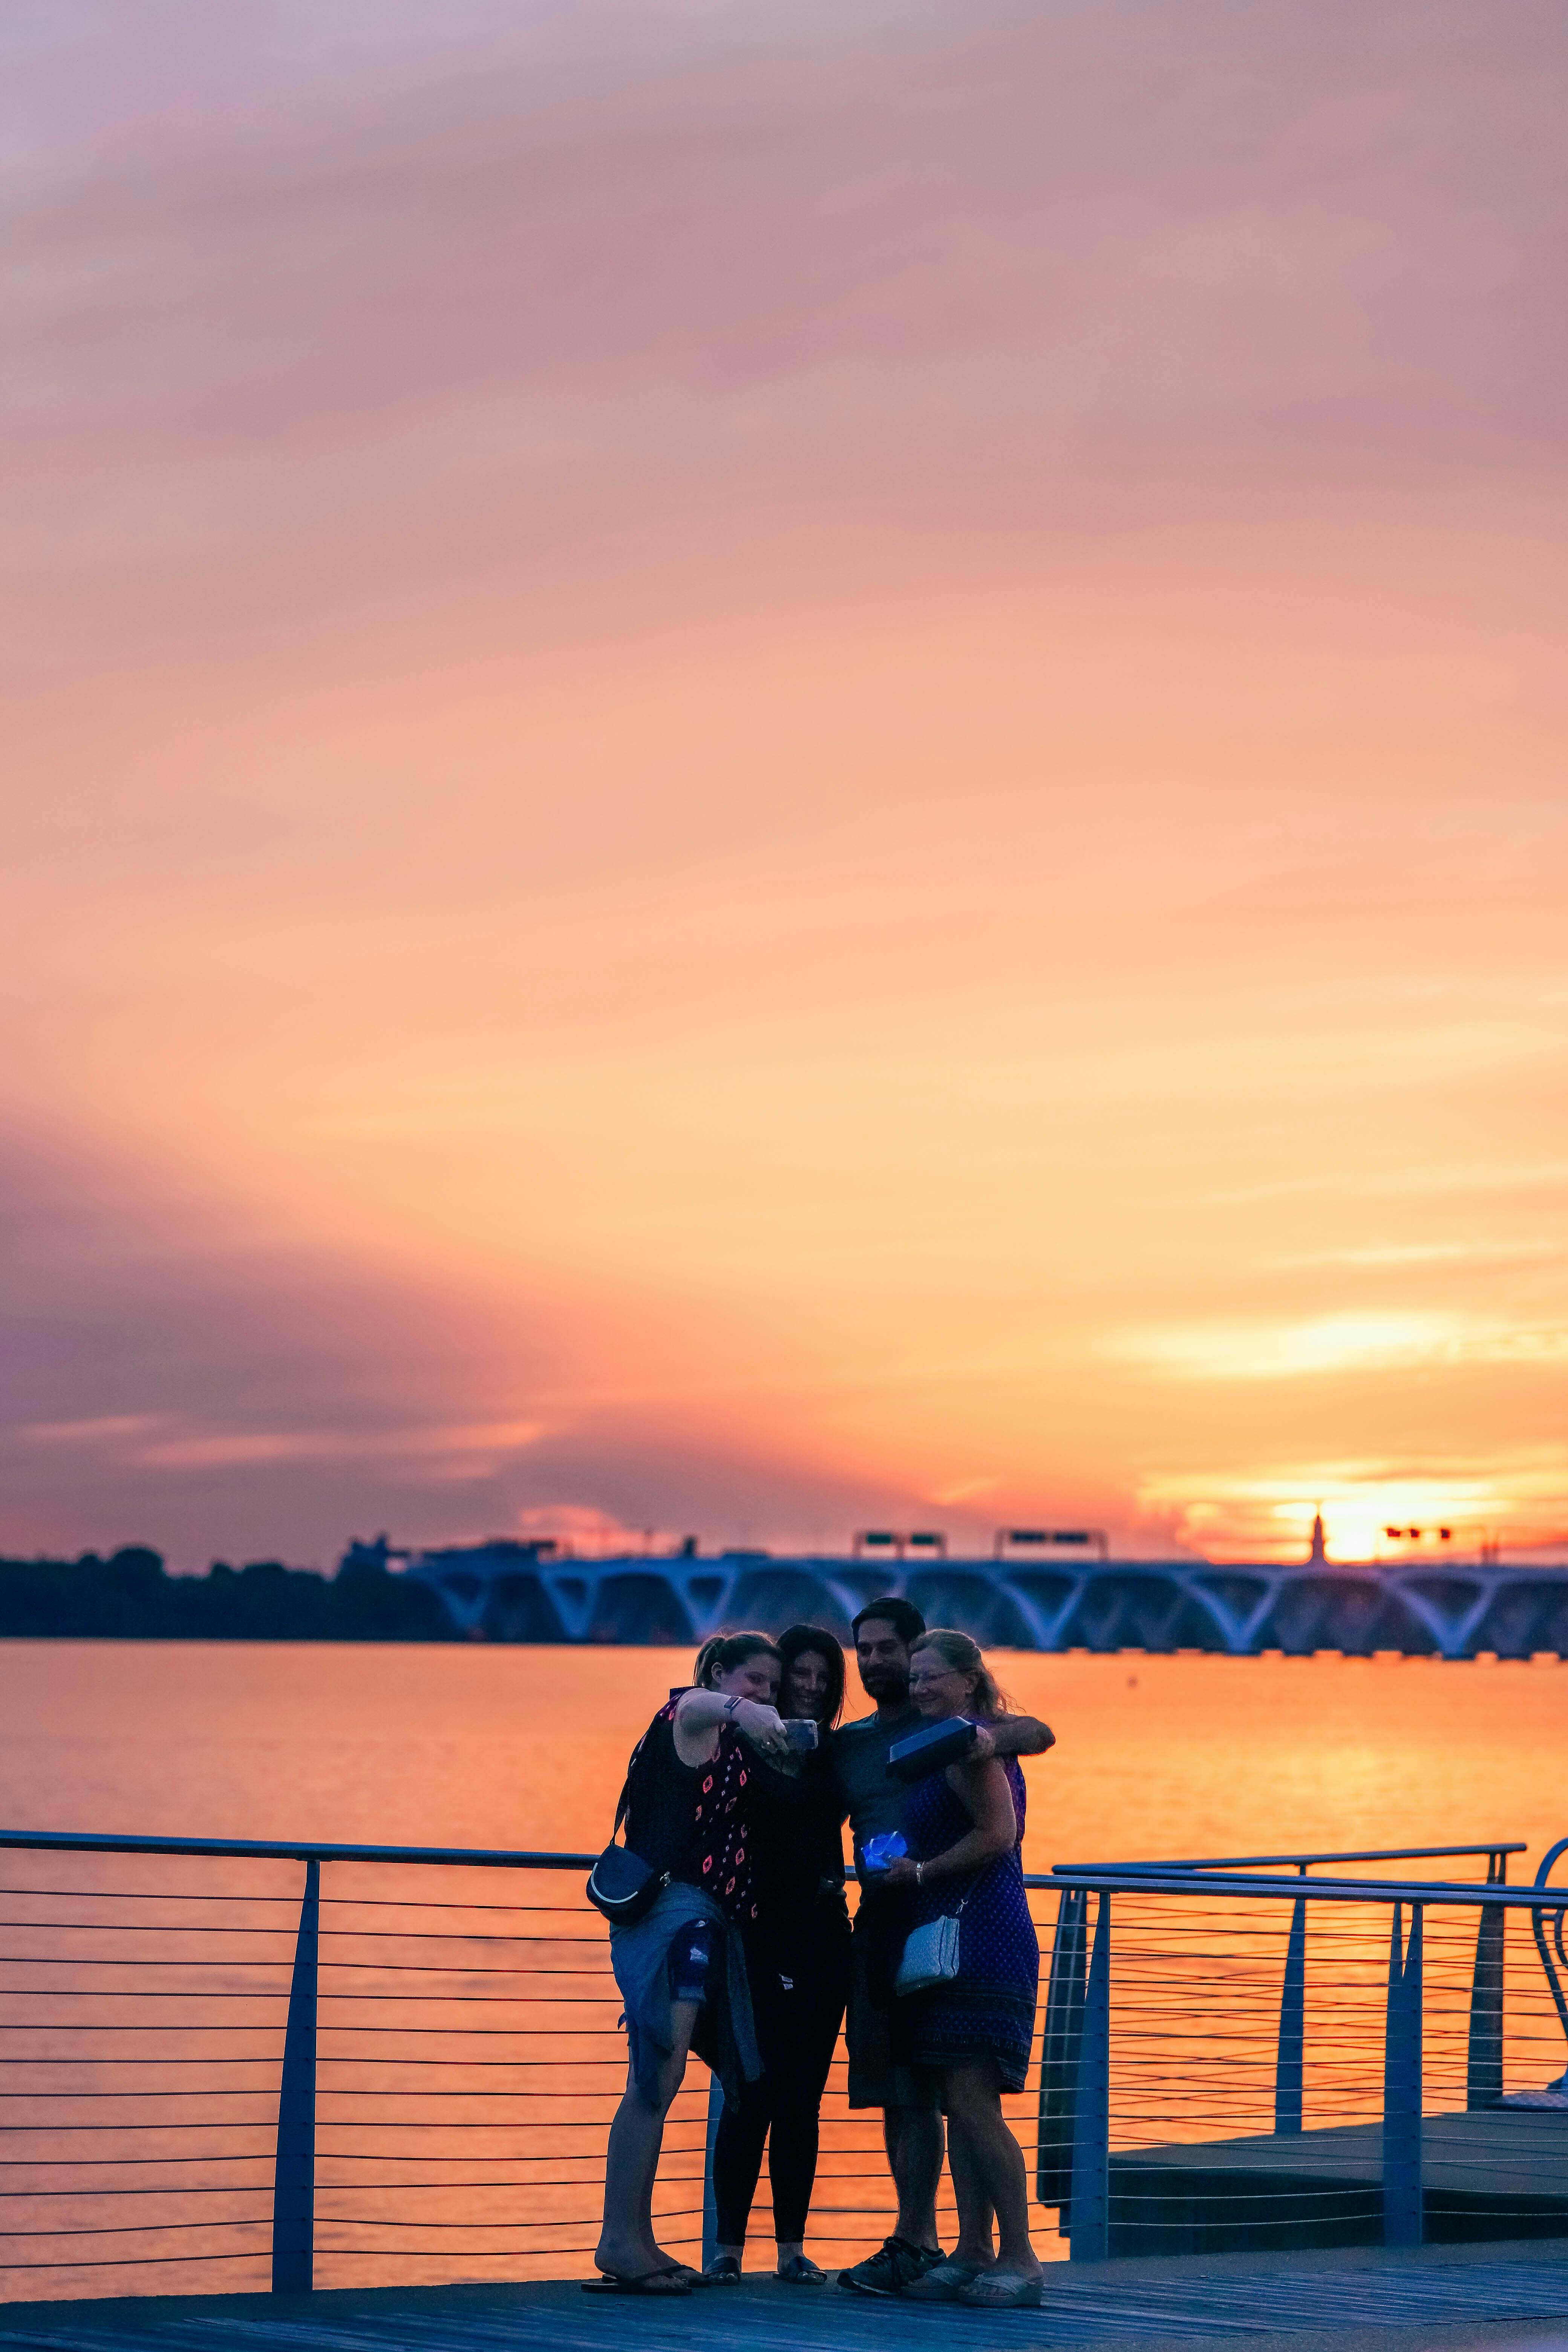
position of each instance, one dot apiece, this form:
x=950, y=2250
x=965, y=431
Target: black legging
x=796, y=2032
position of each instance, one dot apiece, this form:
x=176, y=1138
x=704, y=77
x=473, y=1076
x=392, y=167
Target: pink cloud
x=619, y=289
x=734, y=727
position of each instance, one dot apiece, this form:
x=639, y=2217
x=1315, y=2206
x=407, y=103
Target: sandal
x=722, y=2271
x=943, y=2283
x=801, y=2271
x=1008, y=2292
x=643, y=2283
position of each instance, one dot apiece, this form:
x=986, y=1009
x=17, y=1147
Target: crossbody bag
x=621, y=1885
x=931, y=1954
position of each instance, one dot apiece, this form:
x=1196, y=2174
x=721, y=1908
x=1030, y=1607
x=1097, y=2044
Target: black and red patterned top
x=695, y=1819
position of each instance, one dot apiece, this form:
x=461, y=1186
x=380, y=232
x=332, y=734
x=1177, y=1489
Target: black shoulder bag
x=621, y=1884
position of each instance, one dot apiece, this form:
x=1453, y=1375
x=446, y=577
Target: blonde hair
x=964, y=1656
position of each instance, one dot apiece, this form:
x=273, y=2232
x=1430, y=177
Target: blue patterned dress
x=988, y=2009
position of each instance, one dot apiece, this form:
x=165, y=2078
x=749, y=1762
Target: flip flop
x=943, y=2283
x=666, y=2283
x=801, y=2271
x=989, y=2292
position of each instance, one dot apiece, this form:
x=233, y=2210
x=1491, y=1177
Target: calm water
x=143, y=2029
x=492, y=1746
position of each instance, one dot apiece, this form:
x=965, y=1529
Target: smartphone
x=801, y=1732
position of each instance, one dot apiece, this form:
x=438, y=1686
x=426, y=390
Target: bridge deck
x=1060, y=1602
x=1451, y=2297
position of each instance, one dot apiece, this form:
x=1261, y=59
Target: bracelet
x=919, y=1874
x=730, y=1707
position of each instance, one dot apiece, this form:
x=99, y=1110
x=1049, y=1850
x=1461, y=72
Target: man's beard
x=884, y=1682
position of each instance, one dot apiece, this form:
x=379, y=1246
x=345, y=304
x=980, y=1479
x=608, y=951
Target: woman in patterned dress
x=680, y=1967
x=965, y=1830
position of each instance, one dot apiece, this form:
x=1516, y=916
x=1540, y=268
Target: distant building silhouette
x=1318, y=1554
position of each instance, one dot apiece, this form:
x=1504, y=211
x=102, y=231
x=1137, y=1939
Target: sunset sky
x=777, y=768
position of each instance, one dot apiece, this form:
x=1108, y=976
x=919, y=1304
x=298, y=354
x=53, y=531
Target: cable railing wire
x=423, y=2159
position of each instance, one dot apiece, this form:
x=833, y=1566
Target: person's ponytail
x=725, y=1653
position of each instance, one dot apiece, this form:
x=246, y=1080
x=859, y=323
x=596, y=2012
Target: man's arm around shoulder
x=1015, y=1735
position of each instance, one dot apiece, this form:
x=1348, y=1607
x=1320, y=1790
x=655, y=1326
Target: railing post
x=1483, y=2070
x=1091, y=2108
x=709, y=2203
x=1060, y=2045
x=1293, y=2024
x=294, y=2177
x=1402, y=2198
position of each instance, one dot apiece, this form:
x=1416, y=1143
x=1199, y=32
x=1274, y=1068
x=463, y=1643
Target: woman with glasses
x=963, y=1827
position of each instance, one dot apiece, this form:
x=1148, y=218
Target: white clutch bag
x=931, y=1955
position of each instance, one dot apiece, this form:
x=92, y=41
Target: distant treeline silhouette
x=131, y=1597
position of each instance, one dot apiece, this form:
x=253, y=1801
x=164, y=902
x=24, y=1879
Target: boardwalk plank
x=1190, y=2301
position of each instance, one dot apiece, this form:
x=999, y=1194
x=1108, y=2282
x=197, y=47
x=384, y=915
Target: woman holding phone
x=797, y=1965
x=682, y=1967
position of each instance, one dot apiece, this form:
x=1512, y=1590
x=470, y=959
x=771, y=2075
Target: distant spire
x=1318, y=1555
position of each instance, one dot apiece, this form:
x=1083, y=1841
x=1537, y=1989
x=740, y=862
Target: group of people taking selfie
x=731, y=1936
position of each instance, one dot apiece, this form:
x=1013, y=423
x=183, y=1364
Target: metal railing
x=233, y=2064
x=1496, y=1850
x=1177, y=2114
x=216, y=2077
x=249, y=2064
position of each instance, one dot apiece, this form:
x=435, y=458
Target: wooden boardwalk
x=1495, y=2174
x=1450, y=2296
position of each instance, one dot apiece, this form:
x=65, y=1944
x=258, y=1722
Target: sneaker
x=892, y=2270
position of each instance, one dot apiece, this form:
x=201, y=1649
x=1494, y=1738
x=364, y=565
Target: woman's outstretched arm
x=701, y=1714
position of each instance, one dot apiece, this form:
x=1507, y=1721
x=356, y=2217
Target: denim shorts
x=691, y=1960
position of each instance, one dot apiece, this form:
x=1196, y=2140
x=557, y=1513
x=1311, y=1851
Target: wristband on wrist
x=919, y=1874
x=730, y=1707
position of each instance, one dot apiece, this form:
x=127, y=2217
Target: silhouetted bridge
x=513, y=1592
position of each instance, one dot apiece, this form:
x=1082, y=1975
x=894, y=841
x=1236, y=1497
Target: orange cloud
x=766, y=767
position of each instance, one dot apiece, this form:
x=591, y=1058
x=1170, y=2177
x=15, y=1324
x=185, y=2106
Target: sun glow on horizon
x=1373, y=1512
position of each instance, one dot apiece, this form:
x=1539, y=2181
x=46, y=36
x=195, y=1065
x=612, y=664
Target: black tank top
x=695, y=1819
